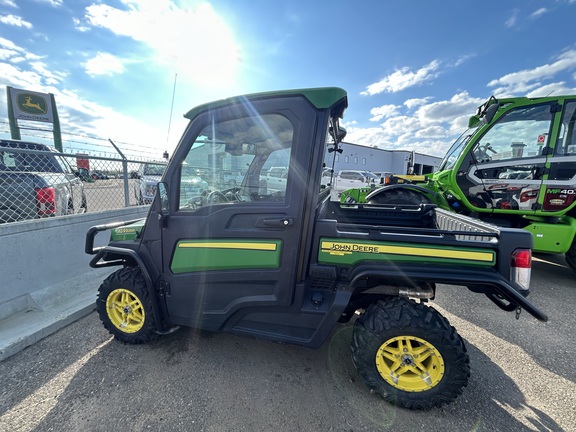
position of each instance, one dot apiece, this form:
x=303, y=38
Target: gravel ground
x=79, y=379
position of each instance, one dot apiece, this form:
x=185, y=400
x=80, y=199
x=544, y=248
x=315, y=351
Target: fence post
x=125, y=176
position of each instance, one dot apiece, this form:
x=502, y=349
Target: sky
x=414, y=70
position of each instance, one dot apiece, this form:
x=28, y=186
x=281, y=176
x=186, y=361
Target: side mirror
x=490, y=111
x=162, y=196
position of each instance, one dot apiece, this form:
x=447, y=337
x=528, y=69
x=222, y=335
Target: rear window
x=13, y=161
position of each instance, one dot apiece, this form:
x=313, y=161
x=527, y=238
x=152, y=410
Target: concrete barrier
x=45, y=279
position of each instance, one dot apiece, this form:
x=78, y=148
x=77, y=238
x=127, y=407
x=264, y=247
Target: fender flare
x=119, y=253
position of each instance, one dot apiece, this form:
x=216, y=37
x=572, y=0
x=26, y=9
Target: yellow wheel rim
x=125, y=310
x=409, y=363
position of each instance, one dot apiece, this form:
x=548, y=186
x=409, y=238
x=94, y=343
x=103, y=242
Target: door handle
x=279, y=222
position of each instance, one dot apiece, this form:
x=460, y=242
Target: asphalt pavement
x=79, y=379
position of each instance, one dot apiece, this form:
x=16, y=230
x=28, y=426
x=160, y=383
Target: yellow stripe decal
x=334, y=248
x=229, y=245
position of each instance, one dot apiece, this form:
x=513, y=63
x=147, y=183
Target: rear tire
x=125, y=308
x=409, y=354
x=399, y=197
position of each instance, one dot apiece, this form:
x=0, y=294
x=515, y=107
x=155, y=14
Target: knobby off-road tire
x=399, y=197
x=409, y=354
x=124, y=306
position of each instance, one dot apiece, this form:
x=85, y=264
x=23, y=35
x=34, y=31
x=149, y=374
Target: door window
x=522, y=133
x=566, y=144
x=249, y=147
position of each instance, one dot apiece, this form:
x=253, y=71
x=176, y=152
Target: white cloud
x=431, y=127
x=5, y=54
x=7, y=43
x=9, y=3
x=79, y=26
x=103, y=64
x=414, y=103
x=50, y=77
x=193, y=42
x=463, y=59
x=54, y=3
x=511, y=22
x=529, y=80
x=383, y=111
x=77, y=115
x=15, y=21
x=426, y=127
x=538, y=13
x=403, y=78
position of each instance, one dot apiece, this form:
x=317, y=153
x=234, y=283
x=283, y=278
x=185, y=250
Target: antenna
x=171, y=109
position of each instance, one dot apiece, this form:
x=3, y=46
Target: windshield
x=154, y=170
x=454, y=152
x=370, y=175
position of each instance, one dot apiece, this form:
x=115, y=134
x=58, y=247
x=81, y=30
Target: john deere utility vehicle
x=288, y=264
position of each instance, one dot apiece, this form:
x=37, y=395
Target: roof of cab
x=321, y=98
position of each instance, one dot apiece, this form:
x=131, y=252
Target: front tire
x=125, y=308
x=409, y=354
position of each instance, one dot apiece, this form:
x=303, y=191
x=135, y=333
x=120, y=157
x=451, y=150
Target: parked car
x=326, y=177
x=348, y=179
x=37, y=182
x=145, y=185
x=98, y=175
x=233, y=178
x=276, y=179
x=84, y=175
x=192, y=186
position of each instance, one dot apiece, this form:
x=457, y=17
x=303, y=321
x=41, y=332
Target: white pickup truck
x=276, y=179
x=349, y=179
x=37, y=182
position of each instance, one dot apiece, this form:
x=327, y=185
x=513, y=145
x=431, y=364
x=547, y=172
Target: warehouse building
x=357, y=157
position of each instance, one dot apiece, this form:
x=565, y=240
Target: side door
x=230, y=251
x=505, y=167
x=560, y=185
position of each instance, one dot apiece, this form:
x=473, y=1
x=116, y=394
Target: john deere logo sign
x=32, y=104
x=29, y=105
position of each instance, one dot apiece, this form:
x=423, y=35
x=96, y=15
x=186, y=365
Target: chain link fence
x=37, y=182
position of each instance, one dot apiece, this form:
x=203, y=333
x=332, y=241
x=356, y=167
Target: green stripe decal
x=222, y=254
x=336, y=251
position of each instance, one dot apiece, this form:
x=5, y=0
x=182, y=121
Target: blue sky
x=414, y=70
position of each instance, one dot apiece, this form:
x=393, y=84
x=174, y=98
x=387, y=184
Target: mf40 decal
x=336, y=251
x=557, y=199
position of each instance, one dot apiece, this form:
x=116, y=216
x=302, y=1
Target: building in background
x=357, y=157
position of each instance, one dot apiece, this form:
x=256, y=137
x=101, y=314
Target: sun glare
x=192, y=41
x=198, y=44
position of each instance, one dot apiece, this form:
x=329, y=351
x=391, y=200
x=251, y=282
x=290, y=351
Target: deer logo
x=32, y=104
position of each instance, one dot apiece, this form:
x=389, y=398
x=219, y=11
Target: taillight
x=46, y=201
x=521, y=267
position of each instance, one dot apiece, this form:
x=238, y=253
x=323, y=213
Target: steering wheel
x=216, y=196
x=481, y=153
